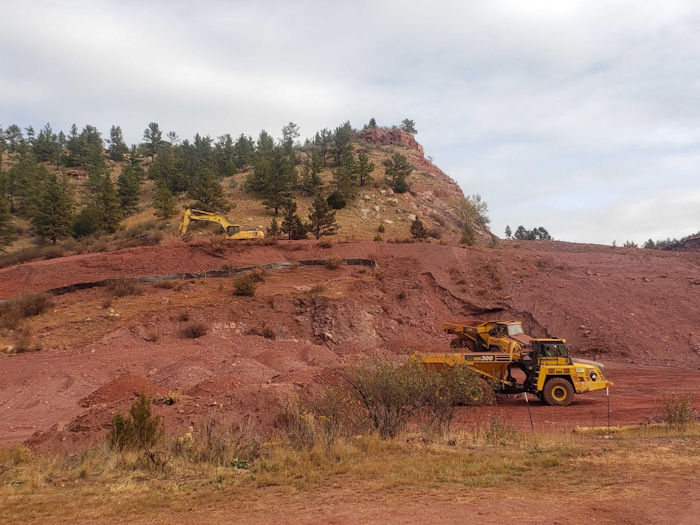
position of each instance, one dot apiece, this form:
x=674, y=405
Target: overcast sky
x=582, y=117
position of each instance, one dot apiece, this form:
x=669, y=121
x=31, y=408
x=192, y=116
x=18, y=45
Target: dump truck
x=510, y=365
x=492, y=336
x=232, y=231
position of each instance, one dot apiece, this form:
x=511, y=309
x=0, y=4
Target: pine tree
x=273, y=230
x=207, y=191
x=364, y=168
x=341, y=143
x=310, y=180
x=509, y=232
x=408, y=126
x=128, y=185
x=372, y=123
x=7, y=229
x=417, y=229
x=117, y=147
x=107, y=205
x=291, y=224
x=397, y=169
x=346, y=176
x=53, y=218
x=164, y=202
x=321, y=218
x=153, y=137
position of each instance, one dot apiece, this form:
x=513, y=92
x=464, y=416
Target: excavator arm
x=198, y=215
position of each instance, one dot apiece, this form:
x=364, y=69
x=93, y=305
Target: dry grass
x=333, y=263
x=244, y=285
x=223, y=466
x=124, y=287
x=262, y=329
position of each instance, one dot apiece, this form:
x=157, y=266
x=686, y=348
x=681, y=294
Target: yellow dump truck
x=540, y=366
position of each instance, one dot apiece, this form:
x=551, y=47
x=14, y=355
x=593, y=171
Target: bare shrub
x=377, y=238
x=381, y=228
x=258, y=274
x=262, y=329
x=194, y=329
x=164, y=285
x=183, y=316
x=333, y=263
x=294, y=265
x=30, y=305
x=296, y=425
x=219, y=444
x=107, y=301
x=123, y=287
x=317, y=289
x=244, y=285
x=678, y=412
x=324, y=244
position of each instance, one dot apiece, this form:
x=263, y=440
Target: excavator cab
x=232, y=230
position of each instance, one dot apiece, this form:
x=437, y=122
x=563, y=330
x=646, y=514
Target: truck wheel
x=478, y=393
x=558, y=392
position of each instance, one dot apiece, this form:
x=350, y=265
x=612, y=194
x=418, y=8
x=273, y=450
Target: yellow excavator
x=232, y=231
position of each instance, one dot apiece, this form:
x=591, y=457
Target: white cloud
x=590, y=107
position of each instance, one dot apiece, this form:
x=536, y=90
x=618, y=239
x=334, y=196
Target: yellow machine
x=494, y=336
x=231, y=230
x=546, y=369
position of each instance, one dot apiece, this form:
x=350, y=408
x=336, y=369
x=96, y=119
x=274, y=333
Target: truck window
x=515, y=329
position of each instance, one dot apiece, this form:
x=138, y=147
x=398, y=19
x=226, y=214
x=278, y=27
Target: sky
x=582, y=117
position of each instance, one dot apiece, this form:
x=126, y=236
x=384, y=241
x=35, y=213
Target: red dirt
x=635, y=310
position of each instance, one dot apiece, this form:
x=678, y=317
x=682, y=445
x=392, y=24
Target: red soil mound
x=123, y=387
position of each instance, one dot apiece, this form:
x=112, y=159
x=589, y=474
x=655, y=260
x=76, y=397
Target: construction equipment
x=232, y=231
x=543, y=365
x=492, y=336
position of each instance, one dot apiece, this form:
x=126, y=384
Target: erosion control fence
x=224, y=272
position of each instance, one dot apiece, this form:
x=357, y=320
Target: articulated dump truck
x=502, y=354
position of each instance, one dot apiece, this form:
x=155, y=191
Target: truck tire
x=558, y=392
x=478, y=393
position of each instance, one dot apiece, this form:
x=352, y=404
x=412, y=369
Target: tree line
x=279, y=170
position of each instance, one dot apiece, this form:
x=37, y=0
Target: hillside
x=433, y=197
x=93, y=350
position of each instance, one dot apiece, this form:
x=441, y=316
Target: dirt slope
x=620, y=306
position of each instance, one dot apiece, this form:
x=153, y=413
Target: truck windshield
x=515, y=329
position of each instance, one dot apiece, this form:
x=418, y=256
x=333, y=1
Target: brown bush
x=165, y=285
x=123, y=287
x=262, y=329
x=244, y=286
x=195, y=329
x=324, y=244
x=258, y=274
x=333, y=263
x=26, y=306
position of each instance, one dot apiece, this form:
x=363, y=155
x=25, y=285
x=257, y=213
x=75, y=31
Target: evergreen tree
x=408, y=126
x=53, y=218
x=46, y=146
x=173, y=138
x=225, y=156
x=128, y=186
x=372, y=123
x=509, y=232
x=14, y=138
x=265, y=145
x=207, y=191
x=164, y=168
x=323, y=141
x=153, y=137
x=364, y=168
x=346, y=176
x=321, y=218
x=23, y=185
x=164, y=201
x=417, y=229
x=290, y=133
x=311, y=180
x=468, y=235
x=396, y=170
x=342, y=142
x=7, y=229
x=245, y=151
x=117, y=147
x=273, y=231
x=291, y=224
x=106, y=203
x=273, y=179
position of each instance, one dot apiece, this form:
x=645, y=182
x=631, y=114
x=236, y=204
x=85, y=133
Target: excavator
x=232, y=231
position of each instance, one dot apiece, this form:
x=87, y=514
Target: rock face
x=390, y=136
x=687, y=244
